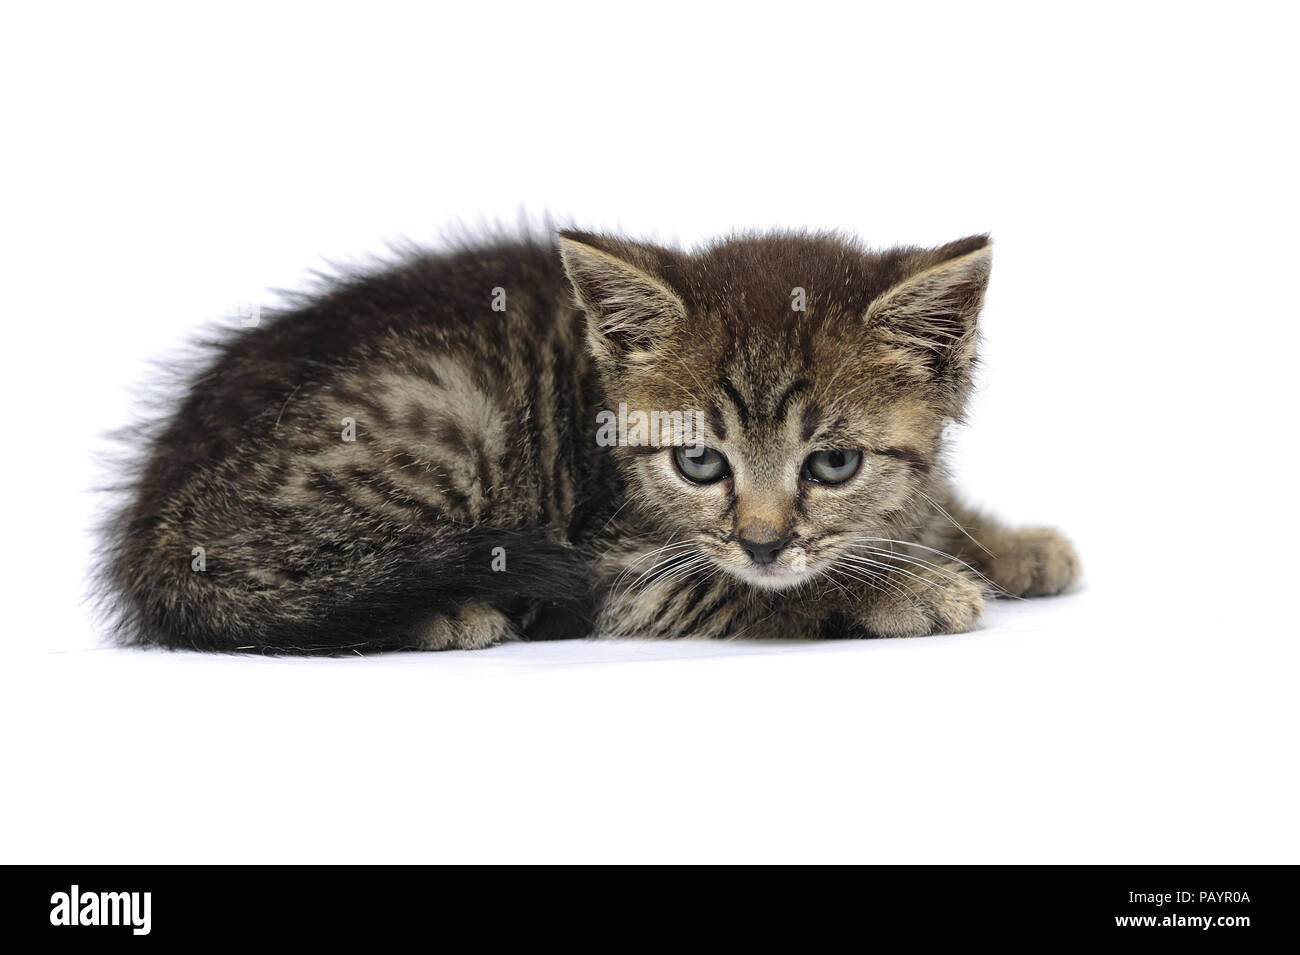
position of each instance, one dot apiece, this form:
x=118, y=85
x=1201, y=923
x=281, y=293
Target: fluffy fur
x=394, y=463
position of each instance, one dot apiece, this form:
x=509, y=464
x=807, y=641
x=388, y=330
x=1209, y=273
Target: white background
x=1136, y=164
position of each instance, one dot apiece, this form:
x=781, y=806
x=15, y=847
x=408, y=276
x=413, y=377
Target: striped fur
x=393, y=463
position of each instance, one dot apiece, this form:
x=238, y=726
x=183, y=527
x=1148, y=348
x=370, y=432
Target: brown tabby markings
x=475, y=436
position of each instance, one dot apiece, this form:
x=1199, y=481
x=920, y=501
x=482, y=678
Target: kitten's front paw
x=929, y=602
x=1038, y=562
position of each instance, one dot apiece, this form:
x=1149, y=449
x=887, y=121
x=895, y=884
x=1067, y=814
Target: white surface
x=1136, y=167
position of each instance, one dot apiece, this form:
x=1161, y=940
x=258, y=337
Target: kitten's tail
x=369, y=602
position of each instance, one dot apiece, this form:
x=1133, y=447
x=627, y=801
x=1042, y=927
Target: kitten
x=454, y=452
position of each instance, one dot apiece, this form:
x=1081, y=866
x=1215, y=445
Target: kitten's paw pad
x=915, y=608
x=1039, y=563
x=472, y=626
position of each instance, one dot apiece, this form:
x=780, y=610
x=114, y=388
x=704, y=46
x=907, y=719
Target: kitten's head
x=823, y=374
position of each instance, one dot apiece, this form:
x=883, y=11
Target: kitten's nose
x=764, y=552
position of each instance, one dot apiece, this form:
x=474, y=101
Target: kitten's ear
x=931, y=314
x=629, y=308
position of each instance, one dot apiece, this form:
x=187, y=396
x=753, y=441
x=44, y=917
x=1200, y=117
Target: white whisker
x=939, y=507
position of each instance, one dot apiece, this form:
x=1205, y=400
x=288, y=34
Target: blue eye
x=701, y=465
x=832, y=467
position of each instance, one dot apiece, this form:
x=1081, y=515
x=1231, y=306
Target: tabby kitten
x=414, y=458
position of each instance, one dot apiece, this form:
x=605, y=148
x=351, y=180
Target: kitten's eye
x=701, y=465
x=832, y=467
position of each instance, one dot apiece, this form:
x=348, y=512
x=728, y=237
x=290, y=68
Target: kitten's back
x=356, y=464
